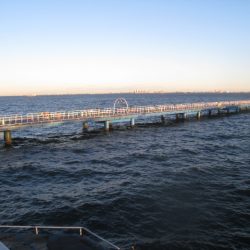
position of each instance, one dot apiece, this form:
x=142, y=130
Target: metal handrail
x=80, y=228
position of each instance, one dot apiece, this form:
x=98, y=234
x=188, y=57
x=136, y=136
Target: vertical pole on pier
x=85, y=126
x=106, y=125
x=132, y=122
x=7, y=138
x=163, y=119
x=198, y=115
x=209, y=112
x=184, y=116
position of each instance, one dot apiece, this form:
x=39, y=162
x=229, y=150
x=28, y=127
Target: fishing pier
x=121, y=112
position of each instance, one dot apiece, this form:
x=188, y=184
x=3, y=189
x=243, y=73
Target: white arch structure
x=122, y=102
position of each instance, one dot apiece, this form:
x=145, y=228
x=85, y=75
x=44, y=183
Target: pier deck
x=118, y=114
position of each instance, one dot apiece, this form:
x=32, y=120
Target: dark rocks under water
x=184, y=186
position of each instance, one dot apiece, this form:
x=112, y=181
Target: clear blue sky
x=91, y=46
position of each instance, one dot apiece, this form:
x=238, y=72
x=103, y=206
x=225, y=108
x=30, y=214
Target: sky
x=93, y=46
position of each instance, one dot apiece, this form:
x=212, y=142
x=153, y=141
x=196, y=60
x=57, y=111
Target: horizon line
x=130, y=92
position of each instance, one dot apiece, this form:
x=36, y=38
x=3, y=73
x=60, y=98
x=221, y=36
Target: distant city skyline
x=73, y=47
x=122, y=92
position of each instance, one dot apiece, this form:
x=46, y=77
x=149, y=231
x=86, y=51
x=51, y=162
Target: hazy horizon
x=74, y=47
x=127, y=92
x=111, y=91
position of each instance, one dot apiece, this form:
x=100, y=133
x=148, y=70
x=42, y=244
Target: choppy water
x=185, y=186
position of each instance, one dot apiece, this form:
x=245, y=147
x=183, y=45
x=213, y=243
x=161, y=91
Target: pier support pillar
x=163, y=119
x=198, y=115
x=132, y=122
x=85, y=126
x=106, y=126
x=219, y=111
x=181, y=117
x=209, y=112
x=228, y=111
x=7, y=138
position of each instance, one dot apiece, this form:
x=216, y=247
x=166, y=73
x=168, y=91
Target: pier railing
x=62, y=116
x=81, y=230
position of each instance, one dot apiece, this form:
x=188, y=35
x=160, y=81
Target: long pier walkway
x=120, y=112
